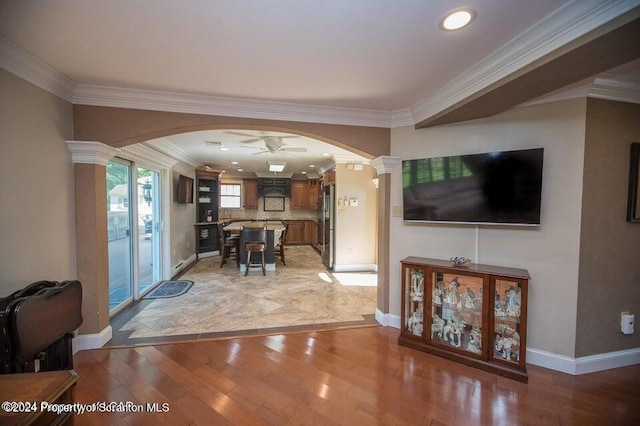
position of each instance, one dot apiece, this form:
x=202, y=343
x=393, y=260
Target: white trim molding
x=92, y=341
x=388, y=320
x=173, y=151
x=26, y=66
x=227, y=106
x=583, y=365
x=87, y=152
x=570, y=22
x=145, y=155
x=385, y=164
x=360, y=267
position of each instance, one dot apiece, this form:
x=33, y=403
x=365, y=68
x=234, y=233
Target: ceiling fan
x=272, y=144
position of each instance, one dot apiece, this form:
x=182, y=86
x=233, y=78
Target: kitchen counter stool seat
x=228, y=244
x=255, y=241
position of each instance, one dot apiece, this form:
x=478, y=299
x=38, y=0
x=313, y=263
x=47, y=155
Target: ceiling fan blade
x=241, y=134
x=294, y=149
x=251, y=140
x=266, y=151
x=251, y=147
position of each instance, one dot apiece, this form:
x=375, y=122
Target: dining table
x=274, y=231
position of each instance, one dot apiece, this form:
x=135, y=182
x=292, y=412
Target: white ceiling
x=360, y=56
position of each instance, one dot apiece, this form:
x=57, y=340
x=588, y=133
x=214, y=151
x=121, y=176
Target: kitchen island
x=274, y=230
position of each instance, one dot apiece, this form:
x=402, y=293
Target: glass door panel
x=507, y=329
x=413, y=309
x=456, y=311
x=119, y=233
x=148, y=230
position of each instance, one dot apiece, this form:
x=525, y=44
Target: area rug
x=169, y=289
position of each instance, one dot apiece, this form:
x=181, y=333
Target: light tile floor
x=222, y=300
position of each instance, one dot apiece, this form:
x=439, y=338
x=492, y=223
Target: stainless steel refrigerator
x=328, y=220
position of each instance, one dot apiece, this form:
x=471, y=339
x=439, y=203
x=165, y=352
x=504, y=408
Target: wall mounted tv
x=503, y=187
x=185, y=190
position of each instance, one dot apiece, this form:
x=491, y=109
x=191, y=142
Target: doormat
x=169, y=289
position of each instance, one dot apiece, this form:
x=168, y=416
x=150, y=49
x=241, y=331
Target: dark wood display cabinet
x=474, y=314
x=206, y=212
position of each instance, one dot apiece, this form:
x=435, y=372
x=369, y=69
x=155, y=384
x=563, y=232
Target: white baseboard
x=387, y=320
x=583, y=365
x=553, y=361
x=92, y=341
x=183, y=264
x=364, y=267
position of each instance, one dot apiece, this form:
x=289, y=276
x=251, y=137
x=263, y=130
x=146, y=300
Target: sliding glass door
x=119, y=234
x=148, y=229
x=134, y=228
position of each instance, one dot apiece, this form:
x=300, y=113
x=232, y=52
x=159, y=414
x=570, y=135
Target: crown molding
x=226, y=106
x=88, y=152
x=615, y=90
x=167, y=148
x=402, y=117
x=385, y=164
x=144, y=154
x=26, y=66
x=571, y=21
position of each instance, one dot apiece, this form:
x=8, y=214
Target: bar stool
x=279, y=249
x=255, y=241
x=228, y=244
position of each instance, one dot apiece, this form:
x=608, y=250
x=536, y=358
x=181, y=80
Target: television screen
x=493, y=188
x=185, y=190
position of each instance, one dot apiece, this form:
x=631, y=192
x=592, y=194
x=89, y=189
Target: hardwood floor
x=356, y=376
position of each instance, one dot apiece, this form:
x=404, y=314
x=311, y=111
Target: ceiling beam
x=607, y=47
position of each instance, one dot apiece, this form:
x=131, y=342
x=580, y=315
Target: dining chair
x=279, y=250
x=228, y=244
x=255, y=241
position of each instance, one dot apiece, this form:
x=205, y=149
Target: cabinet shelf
x=474, y=314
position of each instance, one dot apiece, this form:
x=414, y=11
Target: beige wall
x=121, y=127
x=355, y=227
x=610, y=246
x=37, y=215
x=182, y=216
x=549, y=252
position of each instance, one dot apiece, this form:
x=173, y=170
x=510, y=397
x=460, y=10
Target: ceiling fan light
x=457, y=19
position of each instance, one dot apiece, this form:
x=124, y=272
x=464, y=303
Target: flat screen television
x=503, y=187
x=185, y=190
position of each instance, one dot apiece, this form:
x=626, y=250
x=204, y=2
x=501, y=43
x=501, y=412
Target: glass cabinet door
x=507, y=305
x=456, y=311
x=414, y=301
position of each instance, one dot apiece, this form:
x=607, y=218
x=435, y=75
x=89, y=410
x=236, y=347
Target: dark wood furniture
x=250, y=194
x=474, y=314
x=229, y=244
x=207, y=238
x=53, y=387
x=279, y=250
x=254, y=240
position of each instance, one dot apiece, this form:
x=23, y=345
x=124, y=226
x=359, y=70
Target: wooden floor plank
x=339, y=377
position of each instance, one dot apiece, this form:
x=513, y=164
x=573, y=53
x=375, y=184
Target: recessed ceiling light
x=311, y=165
x=224, y=148
x=240, y=170
x=326, y=154
x=457, y=18
x=234, y=162
x=304, y=173
x=276, y=167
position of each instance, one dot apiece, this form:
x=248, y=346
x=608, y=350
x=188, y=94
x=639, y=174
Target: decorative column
x=92, y=258
x=384, y=165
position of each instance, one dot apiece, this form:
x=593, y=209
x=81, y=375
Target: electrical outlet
x=396, y=211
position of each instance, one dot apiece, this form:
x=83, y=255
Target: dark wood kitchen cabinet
x=250, y=188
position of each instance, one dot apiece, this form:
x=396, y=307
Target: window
x=230, y=196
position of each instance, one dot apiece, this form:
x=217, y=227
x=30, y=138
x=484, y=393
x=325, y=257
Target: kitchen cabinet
x=304, y=194
x=250, y=189
x=295, y=233
x=474, y=314
x=314, y=194
x=299, y=195
x=301, y=232
x=206, y=211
